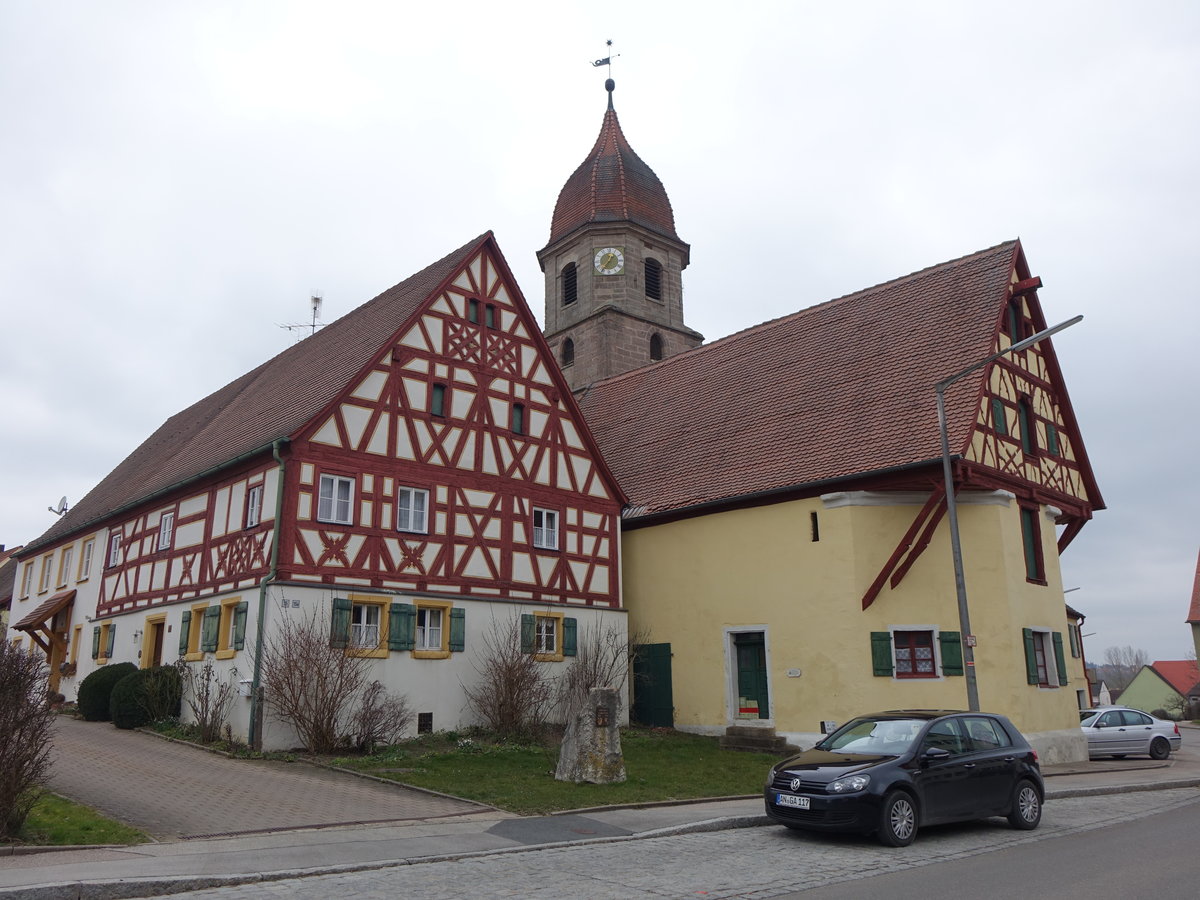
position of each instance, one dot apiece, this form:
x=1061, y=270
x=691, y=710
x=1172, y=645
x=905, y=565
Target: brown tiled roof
x=835, y=390
x=1194, y=612
x=612, y=185
x=45, y=610
x=269, y=403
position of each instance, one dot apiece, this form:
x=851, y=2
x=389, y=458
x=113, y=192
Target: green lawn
x=660, y=765
x=55, y=821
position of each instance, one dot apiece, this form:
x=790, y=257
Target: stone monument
x=591, y=747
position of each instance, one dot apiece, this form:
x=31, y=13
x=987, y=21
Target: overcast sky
x=176, y=179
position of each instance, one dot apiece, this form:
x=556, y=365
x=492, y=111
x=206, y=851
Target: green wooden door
x=751, y=650
x=653, y=702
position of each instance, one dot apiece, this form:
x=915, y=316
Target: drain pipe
x=256, y=699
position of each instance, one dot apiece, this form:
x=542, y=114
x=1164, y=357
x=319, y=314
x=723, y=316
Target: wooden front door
x=653, y=700
x=750, y=648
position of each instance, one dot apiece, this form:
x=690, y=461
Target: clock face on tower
x=609, y=261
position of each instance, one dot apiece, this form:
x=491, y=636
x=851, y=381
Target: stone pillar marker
x=591, y=747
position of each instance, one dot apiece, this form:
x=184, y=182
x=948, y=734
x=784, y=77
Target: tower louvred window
x=570, y=284
x=653, y=279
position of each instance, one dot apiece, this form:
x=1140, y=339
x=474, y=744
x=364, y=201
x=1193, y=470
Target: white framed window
x=412, y=510
x=85, y=559
x=429, y=628
x=336, y=500
x=545, y=529
x=364, y=626
x=546, y=635
x=166, y=530
x=64, y=565
x=44, y=580
x=254, y=498
x=27, y=580
x=114, y=548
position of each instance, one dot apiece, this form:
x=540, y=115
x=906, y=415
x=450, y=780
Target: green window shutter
x=1029, y=538
x=401, y=626
x=1051, y=439
x=112, y=640
x=881, y=652
x=339, y=627
x=210, y=629
x=185, y=629
x=527, y=633
x=458, y=630
x=1059, y=659
x=952, y=654
x=1031, y=673
x=96, y=642
x=570, y=636
x=999, y=419
x=239, y=625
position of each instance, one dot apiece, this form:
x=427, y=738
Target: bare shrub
x=381, y=718
x=207, y=696
x=26, y=721
x=512, y=695
x=602, y=659
x=310, y=684
x=1121, y=664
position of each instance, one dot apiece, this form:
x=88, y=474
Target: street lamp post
x=960, y=586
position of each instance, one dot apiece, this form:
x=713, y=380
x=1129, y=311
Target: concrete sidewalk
x=166, y=868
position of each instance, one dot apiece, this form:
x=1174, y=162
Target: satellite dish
x=61, y=509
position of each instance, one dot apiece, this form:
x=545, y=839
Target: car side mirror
x=934, y=754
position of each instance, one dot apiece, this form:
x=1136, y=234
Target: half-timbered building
x=786, y=547
x=414, y=474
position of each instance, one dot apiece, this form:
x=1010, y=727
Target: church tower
x=613, y=266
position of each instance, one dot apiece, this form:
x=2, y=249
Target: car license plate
x=791, y=800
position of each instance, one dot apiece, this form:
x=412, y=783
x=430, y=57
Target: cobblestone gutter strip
x=129, y=888
x=1122, y=788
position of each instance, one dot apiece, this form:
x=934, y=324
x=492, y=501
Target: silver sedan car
x=1118, y=732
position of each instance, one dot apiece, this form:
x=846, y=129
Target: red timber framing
x=484, y=476
x=911, y=546
x=210, y=549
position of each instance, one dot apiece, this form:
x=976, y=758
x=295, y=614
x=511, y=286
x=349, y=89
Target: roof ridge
x=769, y=323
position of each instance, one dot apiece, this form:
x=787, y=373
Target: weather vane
x=607, y=61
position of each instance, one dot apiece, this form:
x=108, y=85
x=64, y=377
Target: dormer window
x=653, y=279
x=570, y=284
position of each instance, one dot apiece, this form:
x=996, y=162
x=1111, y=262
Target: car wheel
x=897, y=820
x=1159, y=748
x=1026, y=807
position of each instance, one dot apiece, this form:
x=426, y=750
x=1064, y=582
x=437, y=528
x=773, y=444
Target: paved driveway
x=173, y=791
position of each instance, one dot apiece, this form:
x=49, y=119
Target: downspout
x=255, y=689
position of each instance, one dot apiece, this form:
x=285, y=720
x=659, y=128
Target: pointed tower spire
x=614, y=291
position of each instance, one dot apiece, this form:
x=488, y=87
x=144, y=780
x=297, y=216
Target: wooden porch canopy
x=37, y=619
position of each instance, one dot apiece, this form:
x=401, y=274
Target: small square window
x=364, y=626
x=412, y=510
x=545, y=529
x=254, y=500
x=914, y=654
x=336, y=501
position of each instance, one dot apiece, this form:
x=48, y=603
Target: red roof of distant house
x=832, y=391
x=1194, y=612
x=266, y=404
x=612, y=185
x=1181, y=674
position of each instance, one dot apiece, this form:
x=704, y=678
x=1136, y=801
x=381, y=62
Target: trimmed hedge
x=144, y=696
x=95, y=691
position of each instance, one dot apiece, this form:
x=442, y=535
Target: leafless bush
x=207, y=696
x=381, y=718
x=512, y=694
x=308, y=683
x=26, y=720
x=602, y=659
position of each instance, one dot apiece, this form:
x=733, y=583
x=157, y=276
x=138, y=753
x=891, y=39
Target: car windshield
x=874, y=736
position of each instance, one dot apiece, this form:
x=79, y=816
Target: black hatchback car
x=892, y=772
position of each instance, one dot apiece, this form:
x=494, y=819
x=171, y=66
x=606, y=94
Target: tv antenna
x=61, y=509
x=315, y=302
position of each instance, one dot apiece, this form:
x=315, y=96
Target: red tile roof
x=612, y=185
x=1194, y=612
x=835, y=390
x=1181, y=674
x=266, y=404
x=44, y=611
